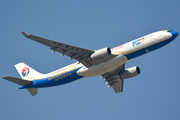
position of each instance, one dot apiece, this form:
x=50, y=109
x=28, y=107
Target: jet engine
x=101, y=53
x=130, y=72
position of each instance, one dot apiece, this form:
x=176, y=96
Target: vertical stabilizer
x=27, y=72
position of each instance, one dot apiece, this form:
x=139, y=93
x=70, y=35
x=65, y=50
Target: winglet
x=25, y=34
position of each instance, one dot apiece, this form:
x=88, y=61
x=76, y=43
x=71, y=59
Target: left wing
x=114, y=80
x=80, y=54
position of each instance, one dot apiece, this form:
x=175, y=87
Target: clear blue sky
x=153, y=95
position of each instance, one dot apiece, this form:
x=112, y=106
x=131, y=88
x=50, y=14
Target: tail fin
x=27, y=72
x=28, y=75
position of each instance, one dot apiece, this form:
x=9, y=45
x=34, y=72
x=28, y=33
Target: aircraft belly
x=102, y=67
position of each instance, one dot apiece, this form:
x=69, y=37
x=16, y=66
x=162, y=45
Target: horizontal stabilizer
x=32, y=91
x=18, y=81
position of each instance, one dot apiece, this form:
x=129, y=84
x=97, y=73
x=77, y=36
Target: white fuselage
x=122, y=51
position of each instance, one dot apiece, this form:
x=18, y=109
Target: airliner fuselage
x=109, y=63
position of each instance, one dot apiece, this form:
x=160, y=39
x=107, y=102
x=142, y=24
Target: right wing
x=80, y=54
x=114, y=80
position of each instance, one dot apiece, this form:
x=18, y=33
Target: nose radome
x=174, y=33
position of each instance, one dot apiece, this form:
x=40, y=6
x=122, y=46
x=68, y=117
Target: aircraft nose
x=174, y=33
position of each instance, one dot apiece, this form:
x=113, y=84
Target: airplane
x=109, y=63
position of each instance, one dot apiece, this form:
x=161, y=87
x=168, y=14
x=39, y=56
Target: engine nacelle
x=101, y=53
x=130, y=72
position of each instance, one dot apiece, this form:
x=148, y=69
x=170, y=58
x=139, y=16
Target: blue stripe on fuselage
x=54, y=81
x=150, y=48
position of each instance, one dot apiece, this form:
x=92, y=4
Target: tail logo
x=25, y=71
